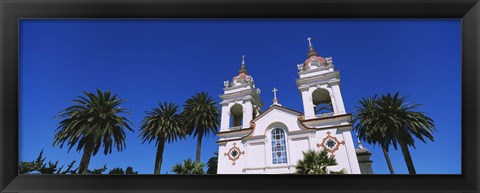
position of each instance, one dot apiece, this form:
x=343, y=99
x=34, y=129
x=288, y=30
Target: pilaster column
x=225, y=120
x=351, y=154
x=307, y=102
x=247, y=113
x=338, y=99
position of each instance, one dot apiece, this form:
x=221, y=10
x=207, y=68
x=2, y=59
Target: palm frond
x=316, y=163
x=163, y=122
x=96, y=119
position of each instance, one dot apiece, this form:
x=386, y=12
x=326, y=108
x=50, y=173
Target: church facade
x=272, y=142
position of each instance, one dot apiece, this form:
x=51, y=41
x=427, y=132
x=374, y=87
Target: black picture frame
x=13, y=10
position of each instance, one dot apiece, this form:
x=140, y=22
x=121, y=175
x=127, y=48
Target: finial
x=360, y=145
x=226, y=83
x=275, y=100
x=243, y=69
x=311, y=51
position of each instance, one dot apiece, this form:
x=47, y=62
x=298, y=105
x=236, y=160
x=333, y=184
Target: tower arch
x=236, y=115
x=322, y=102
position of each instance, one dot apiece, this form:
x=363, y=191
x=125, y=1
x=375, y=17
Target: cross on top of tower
x=275, y=100
x=275, y=92
x=309, y=42
x=243, y=59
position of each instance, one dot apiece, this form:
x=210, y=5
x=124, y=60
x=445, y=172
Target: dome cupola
x=242, y=76
x=313, y=59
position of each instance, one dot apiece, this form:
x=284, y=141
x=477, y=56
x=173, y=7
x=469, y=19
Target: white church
x=272, y=142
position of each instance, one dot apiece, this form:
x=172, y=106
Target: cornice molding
x=325, y=118
x=328, y=66
x=318, y=79
x=243, y=95
x=233, y=131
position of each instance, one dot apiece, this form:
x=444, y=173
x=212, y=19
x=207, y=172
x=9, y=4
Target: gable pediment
x=276, y=115
x=277, y=108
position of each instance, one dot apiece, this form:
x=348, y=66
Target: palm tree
x=203, y=118
x=162, y=124
x=188, y=167
x=93, y=121
x=316, y=163
x=212, y=164
x=397, y=115
x=365, y=118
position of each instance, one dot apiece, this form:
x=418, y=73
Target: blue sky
x=148, y=61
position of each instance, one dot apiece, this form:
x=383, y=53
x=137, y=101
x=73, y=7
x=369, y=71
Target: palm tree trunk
x=387, y=158
x=199, y=147
x=406, y=156
x=159, y=157
x=87, y=153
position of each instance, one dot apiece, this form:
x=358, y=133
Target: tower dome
x=243, y=76
x=313, y=59
x=242, y=73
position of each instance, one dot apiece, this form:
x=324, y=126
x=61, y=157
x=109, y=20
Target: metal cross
x=309, y=42
x=243, y=59
x=275, y=92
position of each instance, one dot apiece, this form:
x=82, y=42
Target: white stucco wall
x=227, y=166
x=258, y=148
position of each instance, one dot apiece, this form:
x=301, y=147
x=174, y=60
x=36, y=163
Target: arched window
x=279, y=147
x=322, y=102
x=236, y=115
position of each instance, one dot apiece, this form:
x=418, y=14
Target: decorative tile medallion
x=234, y=153
x=330, y=143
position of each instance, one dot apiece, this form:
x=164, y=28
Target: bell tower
x=319, y=85
x=240, y=101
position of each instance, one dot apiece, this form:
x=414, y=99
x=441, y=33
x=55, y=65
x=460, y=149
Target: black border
x=12, y=10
